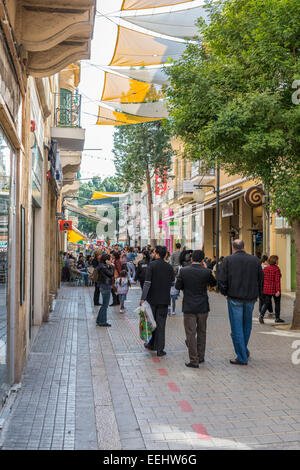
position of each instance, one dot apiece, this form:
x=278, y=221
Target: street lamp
x=199, y=196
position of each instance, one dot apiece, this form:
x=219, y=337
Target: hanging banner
x=160, y=183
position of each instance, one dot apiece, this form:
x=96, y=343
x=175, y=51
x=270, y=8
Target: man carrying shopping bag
x=159, y=279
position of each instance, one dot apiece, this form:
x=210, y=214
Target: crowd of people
x=241, y=277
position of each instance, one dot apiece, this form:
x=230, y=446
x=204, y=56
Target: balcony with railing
x=67, y=128
x=200, y=172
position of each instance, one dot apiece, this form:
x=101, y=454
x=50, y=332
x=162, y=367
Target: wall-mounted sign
x=254, y=196
x=227, y=209
x=65, y=225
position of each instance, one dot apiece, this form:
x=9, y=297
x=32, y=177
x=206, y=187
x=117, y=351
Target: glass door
x=6, y=156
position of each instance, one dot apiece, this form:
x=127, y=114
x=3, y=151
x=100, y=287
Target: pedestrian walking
x=131, y=255
x=142, y=266
x=158, y=282
x=95, y=277
x=240, y=279
x=175, y=257
x=264, y=263
x=174, y=296
x=106, y=274
x=185, y=258
x=193, y=281
x=122, y=284
x=117, y=270
x=271, y=288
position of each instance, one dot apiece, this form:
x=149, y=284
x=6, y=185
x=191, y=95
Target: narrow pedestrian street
x=86, y=387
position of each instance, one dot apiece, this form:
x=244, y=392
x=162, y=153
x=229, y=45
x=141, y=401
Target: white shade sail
x=180, y=24
x=156, y=109
x=141, y=4
x=138, y=49
x=149, y=75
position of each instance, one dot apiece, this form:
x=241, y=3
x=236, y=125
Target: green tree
x=140, y=150
x=230, y=99
x=86, y=190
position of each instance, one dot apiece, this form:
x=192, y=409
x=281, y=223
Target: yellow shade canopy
x=103, y=195
x=125, y=90
x=138, y=49
x=74, y=235
x=141, y=4
x=109, y=117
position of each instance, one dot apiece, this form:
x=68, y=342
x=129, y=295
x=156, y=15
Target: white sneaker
x=173, y=313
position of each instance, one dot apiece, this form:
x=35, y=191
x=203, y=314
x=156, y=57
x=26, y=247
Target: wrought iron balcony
x=67, y=129
x=67, y=109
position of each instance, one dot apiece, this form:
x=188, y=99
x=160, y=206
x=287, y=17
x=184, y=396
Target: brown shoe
x=261, y=319
x=235, y=361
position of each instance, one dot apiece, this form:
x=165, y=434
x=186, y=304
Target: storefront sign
x=65, y=225
x=254, y=196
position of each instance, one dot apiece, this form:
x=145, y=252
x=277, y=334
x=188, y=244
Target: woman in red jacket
x=271, y=288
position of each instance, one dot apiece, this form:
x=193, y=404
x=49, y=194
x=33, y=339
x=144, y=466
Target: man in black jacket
x=240, y=279
x=193, y=280
x=157, y=286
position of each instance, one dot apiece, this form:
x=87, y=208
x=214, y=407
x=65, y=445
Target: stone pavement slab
x=86, y=387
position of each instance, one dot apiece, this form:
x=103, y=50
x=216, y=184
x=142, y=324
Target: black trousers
x=160, y=313
x=268, y=304
x=97, y=295
x=115, y=297
x=261, y=303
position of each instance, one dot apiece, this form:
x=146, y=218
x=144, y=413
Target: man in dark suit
x=193, y=280
x=156, y=290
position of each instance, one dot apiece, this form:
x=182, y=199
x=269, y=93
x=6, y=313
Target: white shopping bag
x=146, y=308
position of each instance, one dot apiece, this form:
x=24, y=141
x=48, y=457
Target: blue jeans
x=131, y=270
x=240, y=316
x=102, y=315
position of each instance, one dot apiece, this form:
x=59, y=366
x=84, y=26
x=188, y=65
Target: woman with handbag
x=106, y=274
x=117, y=270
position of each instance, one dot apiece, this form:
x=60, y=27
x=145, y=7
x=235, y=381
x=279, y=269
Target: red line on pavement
x=173, y=387
x=155, y=359
x=185, y=406
x=201, y=431
x=162, y=372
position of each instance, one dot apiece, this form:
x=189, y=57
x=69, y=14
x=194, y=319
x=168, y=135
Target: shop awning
x=74, y=235
x=180, y=23
x=109, y=117
x=126, y=90
x=141, y=4
x=138, y=49
x=87, y=214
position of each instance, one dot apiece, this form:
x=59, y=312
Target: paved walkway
x=86, y=387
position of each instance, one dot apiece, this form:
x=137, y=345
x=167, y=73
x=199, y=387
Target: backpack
x=95, y=275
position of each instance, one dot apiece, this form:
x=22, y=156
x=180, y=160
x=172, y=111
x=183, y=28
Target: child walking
x=122, y=283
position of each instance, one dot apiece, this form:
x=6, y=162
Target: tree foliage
x=86, y=190
x=230, y=97
x=232, y=100
x=138, y=148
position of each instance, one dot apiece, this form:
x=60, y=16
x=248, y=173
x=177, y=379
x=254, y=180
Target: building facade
x=40, y=45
